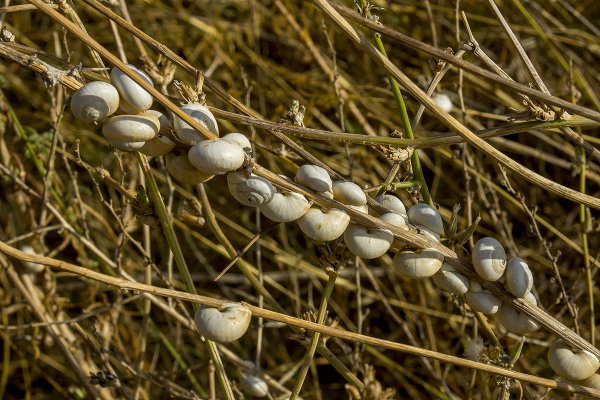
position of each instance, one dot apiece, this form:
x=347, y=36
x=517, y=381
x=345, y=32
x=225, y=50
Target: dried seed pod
x=421, y=264
x=224, y=324
x=450, y=280
x=443, y=101
x=392, y=203
x=426, y=216
x=200, y=113
x=518, y=277
x=324, y=226
x=285, y=207
x=314, y=177
x=481, y=300
x=489, y=258
x=158, y=146
x=254, y=386
x=131, y=128
x=515, y=322
x=181, y=169
x=31, y=267
x=95, y=101
x=575, y=365
x=239, y=139
x=349, y=193
x=137, y=99
x=216, y=157
x=251, y=191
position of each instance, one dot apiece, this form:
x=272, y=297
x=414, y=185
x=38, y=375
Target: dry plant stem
x=416, y=163
x=419, y=241
x=452, y=123
x=297, y=322
x=169, y=232
x=162, y=99
x=583, y=223
x=423, y=47
x=316, y=336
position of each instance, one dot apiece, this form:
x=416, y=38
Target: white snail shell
x=481, y=300
x=426, y=216
x=450, y=280
x=126, y=146
x=165, y=124
x=349, y=193
x=158, y=146
x=254, y=386
x=489, y=258
x=367, y=243
x=285, y=207
x=392, y=203
x=421, y=264
x=29, y=266
x=443, y=101
x=591, y=382
x=429, y=233
x=224, y=324
x=200, y=113
x=216, y=157
x=573, y=365
x=95, y=101
x=131, y=128
x=181, y=169
x=314, y=177
x=328, y=194
x=134, y=95
x=324, y=226
x=239, y=139
x=252, y=191
x=518, y=277
x=515, y=322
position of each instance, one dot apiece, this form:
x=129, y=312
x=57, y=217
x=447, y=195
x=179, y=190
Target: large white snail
x=349, y=193
x=216, y=157
x=392, y=203
x=314, y=177
x=324, y=225
x=130, y=132
x=224, y=324
x=285, y=207
x=482, y=300
x=136, y=98
x=200, y=113
x=250, y=190
x=420, y=264
x=450, y=280
x=369, y=243
x=518, y=277
x=95, y=101
x=489, y=258
x=427, y=219
x=570, y=364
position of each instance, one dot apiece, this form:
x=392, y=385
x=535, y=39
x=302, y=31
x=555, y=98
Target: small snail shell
x=450, y=280
x=137, y=99
x=252, y=191
x=126, y=146
x=254, y=386
x=239, y=139
x=591, y=382
x=421, y=264
x=224, y=324
x=324, y=226
x=165, y=124
x=314, y=177
x=426, y=216
x=328, y=194
x=180, y=168
x=482, y=300
x=518, y=277
x=131, y=128
x=285, y=207
x=394, y=219
x=515, y=322
x=573, y=365
x=158, y=146
x=349, y=193
x=443, y=101
x=29, y=266
x=95, y=101
x=429, y=233
x=216, y=157
x=392, y=203
x=367, y=243
x=489, y=258
x=185, y=132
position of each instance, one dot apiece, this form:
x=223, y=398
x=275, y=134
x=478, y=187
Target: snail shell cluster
x=224, y=324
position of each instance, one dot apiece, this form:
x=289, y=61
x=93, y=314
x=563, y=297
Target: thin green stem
x=583, y=222
x=165, y=221
x=315, y=339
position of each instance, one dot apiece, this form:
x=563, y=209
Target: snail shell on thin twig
x=134, y=95
x=450, y=280
x=285, y=207
x=349, y=193
x=573, y=365
x=314, y=177
x=515, y=322
x=421, y=264
x=518, y=277
x=200, y=113
x=392, y=203
x=426, y=216
x=95, y=101
x=251, y=191
x=481, y=300
x=489, y=258
x=216, y=157
x=131, y=128
x=324, y=226
x=224, y=324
